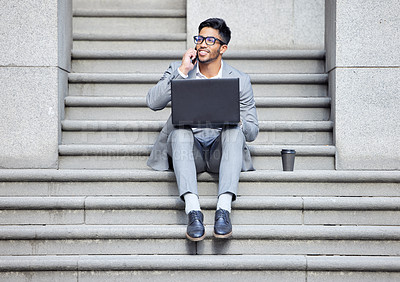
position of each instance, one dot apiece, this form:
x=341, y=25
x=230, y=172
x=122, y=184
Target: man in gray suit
x=194, y=150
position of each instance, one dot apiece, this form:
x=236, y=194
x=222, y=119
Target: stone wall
x=35, y=45
x=263, y=24
x=363, y=62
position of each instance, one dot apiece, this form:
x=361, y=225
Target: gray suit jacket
x=160, y=95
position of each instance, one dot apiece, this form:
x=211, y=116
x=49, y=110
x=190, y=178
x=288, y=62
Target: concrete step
x=241, y=232
x=268, y=61
x=221, y=275
x=177, y=54
x=247, y=210
x=247, y=240
x=147, y=182
x=131, y=78
x=138, y=85
x=104, y=42
x=135, y=156
x=134, y=108
x=146, y=132
x=159, y=275
x=44, y=175
x=269, y=108
x=121, y=5
x=140, y=162
x=136, y=102
x=86, y=43
x=144, y=113
x=129, y=13
x=143, y=138
x=182, y=275
x=144, y=150
x=158, y=65
x=206, y=186
x=123, y=26
x=170, y=37
x=141, y=89
x=78, y=125
x=189, y=263
x=249, y=203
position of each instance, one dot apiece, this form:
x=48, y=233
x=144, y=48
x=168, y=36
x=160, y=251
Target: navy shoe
x=195, y=229
x=222, y=225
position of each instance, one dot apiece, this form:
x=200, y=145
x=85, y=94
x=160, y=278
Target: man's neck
x=211, y=69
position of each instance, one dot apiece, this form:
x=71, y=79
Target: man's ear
x=223, y=49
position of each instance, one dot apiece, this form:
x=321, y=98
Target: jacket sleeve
x=248, y=113
x=159, y=95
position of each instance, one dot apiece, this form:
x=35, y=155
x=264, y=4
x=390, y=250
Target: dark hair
x=220, y=25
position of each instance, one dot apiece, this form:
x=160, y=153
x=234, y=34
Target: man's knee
x=180, y=144
x=181, y=135
x=232, y=135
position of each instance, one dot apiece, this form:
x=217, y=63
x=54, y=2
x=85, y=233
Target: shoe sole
x=195, y=239
x=222, y=236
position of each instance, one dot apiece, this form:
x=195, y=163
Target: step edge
x=232, y=55
x=129, y=37
x=144, y=150
x=88, y=125
x=174, y=203
x=154, y=78
x=265, y=102
x=151, y=262
x=140, y=13
x=137, y=175
x=353, y=263
x=254, y=232
x=204, y=262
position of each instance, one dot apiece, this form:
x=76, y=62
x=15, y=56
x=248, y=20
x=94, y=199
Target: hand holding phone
x=188, y=61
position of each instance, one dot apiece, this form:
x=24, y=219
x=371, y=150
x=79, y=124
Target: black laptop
x=205, y=102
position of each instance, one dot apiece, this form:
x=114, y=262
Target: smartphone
x=194, y=60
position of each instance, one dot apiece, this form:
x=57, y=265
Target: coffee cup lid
x=288, y=151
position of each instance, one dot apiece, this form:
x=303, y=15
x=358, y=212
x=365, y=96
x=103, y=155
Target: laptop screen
x=205, y=102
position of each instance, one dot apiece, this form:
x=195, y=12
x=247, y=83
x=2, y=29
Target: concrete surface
x=271, y=24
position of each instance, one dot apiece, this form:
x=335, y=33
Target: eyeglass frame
x=205, y=38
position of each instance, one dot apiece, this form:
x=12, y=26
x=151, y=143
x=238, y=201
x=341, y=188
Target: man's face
x=207, y=53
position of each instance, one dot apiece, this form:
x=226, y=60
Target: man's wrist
x=182, y=73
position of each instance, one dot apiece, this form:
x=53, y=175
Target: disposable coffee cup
x=288, y=159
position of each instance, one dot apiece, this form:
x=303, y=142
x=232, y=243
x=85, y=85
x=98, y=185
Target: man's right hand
x=187, y=59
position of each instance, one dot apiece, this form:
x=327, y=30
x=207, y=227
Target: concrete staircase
x=105, y=216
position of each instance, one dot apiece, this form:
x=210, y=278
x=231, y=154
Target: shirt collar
x=219, y=75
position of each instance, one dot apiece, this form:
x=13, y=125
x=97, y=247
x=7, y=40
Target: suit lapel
x=192, y=73
x=226, y=70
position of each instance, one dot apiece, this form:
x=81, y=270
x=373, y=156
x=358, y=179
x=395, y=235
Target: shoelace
x=195, y=216
x=222, y=214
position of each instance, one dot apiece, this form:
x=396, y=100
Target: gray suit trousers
x=222, y=155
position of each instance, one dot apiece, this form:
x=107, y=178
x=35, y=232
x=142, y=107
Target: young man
x=194, y=150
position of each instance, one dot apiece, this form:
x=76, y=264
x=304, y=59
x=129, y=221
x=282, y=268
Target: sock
x=191, y=202
x=225, y=202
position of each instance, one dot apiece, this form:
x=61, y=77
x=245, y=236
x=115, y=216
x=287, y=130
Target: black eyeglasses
x=210, y=40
